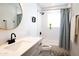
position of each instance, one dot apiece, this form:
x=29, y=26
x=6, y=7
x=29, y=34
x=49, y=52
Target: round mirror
x=10, y=15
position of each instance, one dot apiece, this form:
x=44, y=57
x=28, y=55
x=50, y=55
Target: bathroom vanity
x=28, y=46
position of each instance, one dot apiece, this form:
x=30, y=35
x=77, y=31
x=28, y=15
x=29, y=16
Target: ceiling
x=45, y=5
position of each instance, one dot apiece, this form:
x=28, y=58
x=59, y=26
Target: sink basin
x=18, y=44
x=14, y=46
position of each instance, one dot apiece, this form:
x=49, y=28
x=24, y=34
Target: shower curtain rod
x=55, y=9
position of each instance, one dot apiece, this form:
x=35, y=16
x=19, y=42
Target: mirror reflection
x=10, y=15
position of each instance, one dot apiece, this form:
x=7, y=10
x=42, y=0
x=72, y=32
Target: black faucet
x=12, y=39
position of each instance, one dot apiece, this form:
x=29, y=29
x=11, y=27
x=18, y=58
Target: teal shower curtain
x=65, y=29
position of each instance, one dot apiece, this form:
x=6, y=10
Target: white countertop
x=19, y=47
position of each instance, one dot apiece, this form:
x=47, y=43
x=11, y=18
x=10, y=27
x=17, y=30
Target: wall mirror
x=10, y=15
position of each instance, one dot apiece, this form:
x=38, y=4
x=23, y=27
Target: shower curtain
x=65, y=29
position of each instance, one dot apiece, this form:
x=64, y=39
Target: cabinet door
x=34, y=51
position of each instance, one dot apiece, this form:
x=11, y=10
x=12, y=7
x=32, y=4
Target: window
x=53, y=18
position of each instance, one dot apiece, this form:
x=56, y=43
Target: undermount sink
x=14, y=46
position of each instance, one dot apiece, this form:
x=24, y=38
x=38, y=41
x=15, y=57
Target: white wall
x=26, y=27
x=39, y=20
x=52, y=36
x=74, y=47
x=34, y=27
